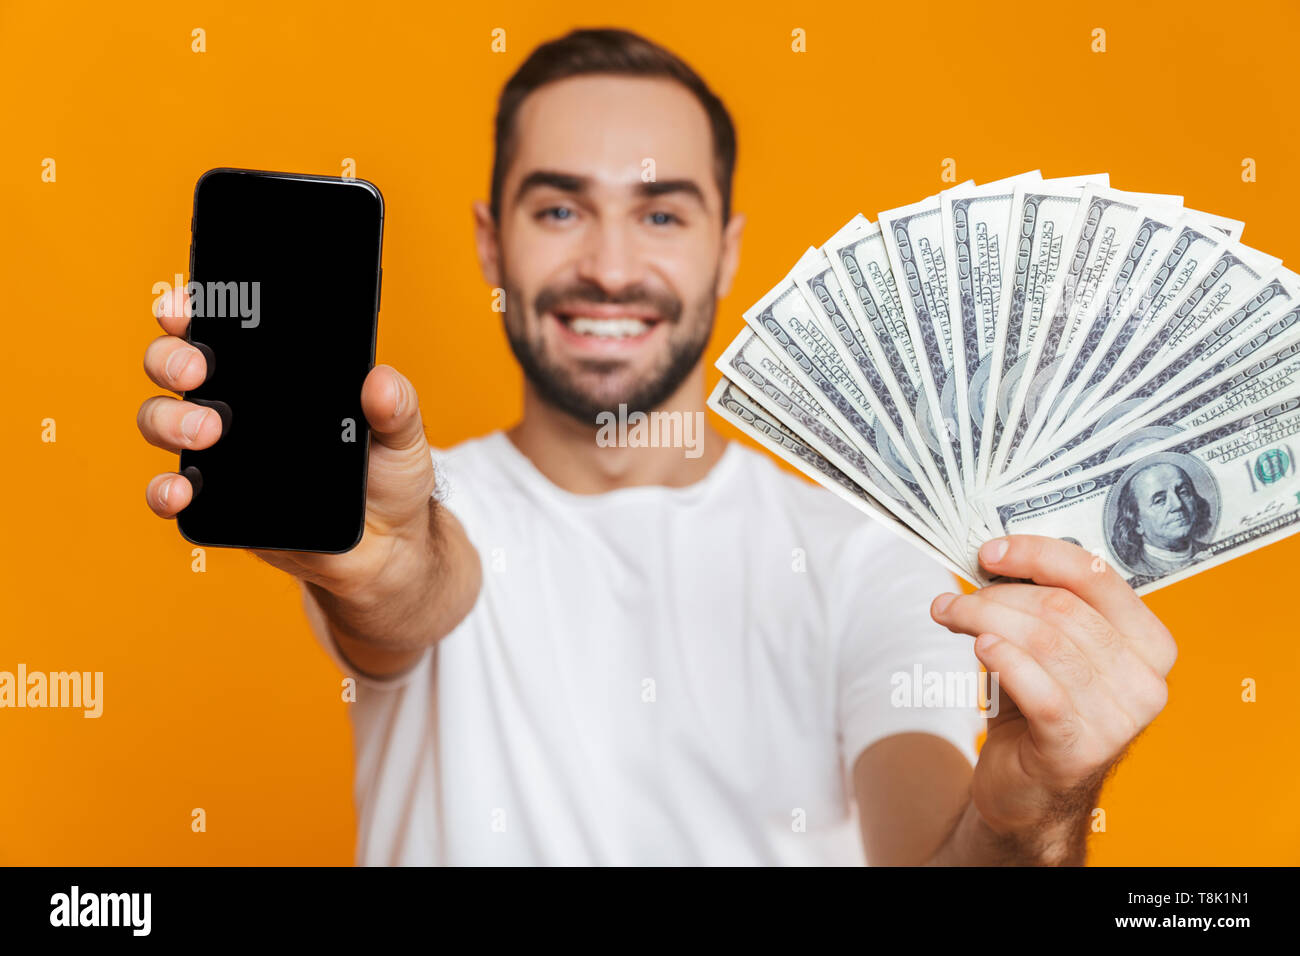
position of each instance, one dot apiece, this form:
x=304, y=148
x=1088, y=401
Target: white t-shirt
x=651, y=676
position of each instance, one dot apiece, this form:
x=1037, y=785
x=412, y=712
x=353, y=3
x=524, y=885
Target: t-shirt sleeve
x=897, y=670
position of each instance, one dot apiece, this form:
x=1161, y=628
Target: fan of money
x=1042, y=356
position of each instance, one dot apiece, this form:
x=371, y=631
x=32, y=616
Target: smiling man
x=572, y=652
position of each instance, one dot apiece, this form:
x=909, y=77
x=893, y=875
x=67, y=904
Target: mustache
x=665, y=304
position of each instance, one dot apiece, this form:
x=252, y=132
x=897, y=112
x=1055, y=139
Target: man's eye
x=661, y=218
x=556, y=213
x=1158, y=499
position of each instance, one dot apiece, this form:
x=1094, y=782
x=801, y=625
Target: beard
x=563, y=387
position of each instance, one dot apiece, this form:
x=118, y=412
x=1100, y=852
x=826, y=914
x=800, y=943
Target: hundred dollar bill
x=821, y=289
x=975, y=227
x=1235, y=275
x=752, y=419
x=913, y=238
x=1258, y=322
x=758, y=371
x=1242, y=380
x=1188, y=259
x=1241, y=271
x=787, y=324
x=858, y=258
x=1150, y=245
x=1041, y=215
x=1103, y=223
x=1168, y=510
x=1107, y=238
x=1255, y=323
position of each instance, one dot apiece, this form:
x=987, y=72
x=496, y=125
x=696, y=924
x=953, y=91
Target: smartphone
x=285, y=279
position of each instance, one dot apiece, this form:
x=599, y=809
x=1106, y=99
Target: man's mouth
x=606, y=328
x=622, y=324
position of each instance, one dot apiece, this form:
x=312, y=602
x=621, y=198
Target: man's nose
x=610, y=258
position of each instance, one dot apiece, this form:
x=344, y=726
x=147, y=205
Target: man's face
x=1166, y=501
x=610, y=245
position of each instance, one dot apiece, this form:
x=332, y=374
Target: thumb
x=392, y=408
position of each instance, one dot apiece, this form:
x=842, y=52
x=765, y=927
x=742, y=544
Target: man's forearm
x=427, y=587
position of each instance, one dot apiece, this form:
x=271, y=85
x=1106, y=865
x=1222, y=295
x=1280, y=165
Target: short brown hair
x=609, y=51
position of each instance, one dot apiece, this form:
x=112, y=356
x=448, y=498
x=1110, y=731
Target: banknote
x=1234, y=276
x=913, y=237
x=1184, y=504
x=976, y=223
x=1049, y=356
x=1041, y=216
x=860, y=262
x=826, y=298
x=1261, y=319
x=1109, y=236
x=1105, y=327
x=753, y=419
x=758, y=371
x=1240, y=380
x=1188, y=258
x=1258, y=323
x=786, y=322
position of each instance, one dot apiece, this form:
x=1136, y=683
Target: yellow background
x=215, y=693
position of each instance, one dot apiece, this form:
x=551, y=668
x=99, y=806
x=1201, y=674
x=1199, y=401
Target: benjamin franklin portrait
x=1161, y=513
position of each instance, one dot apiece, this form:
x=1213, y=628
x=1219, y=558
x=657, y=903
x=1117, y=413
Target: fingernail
x=994, y=551
x=192, y=422
x=942, y=602
x=165, y=489
x=178, y=362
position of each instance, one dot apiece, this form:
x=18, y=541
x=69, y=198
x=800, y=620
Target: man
x=575, y=653
x=1162, y=520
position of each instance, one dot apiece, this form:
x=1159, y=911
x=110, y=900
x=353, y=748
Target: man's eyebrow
x=565, y=182
x=663, y=187
x=572, y=183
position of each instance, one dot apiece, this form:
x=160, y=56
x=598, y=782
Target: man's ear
x=730, y=261
x=487, y=242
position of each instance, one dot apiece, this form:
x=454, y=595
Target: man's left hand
x=1081, y=665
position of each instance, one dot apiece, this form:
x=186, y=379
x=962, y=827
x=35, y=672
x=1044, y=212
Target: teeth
x=608, y=328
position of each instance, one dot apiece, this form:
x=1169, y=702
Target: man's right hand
x=413, y=558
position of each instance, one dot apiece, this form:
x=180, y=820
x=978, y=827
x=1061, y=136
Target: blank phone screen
x=284, y=290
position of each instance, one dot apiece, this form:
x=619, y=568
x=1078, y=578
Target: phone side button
x=195, y=478
x=209, y=359
x=379, y=293
x=221, y=408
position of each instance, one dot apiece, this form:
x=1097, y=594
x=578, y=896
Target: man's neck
x=623, y=452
